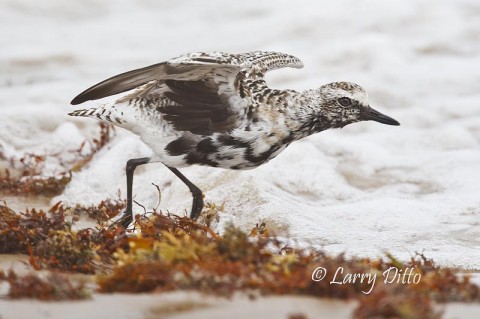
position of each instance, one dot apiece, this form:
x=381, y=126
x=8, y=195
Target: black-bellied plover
x=215, y=109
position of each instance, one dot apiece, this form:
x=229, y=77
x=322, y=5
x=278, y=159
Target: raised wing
x=197, y=92
x=136, y=78
x=190, y=67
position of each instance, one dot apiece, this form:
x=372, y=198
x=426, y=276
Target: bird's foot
x=124, y=220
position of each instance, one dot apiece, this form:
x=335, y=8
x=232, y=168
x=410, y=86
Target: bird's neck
x=306, y=114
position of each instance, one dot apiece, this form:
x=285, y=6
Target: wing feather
x=202, y=92
x=189, y=67
x=133, y=79
x=268, y=61
x=198, y=108
x=120, y=83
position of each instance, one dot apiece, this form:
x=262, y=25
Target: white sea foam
x=364, y=189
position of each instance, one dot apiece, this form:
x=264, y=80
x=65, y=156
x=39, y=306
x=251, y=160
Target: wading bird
x=215, y=109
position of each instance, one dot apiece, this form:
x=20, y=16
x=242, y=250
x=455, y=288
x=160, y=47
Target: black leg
x=127, y=217
x=197, y=203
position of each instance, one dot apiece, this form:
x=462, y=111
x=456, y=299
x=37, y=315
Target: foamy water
x=364, y=189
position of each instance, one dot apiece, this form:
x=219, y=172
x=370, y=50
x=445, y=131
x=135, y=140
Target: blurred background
x=364, y=189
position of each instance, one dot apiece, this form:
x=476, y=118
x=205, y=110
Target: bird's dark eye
x=345, y=101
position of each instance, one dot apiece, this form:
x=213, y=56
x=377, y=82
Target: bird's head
x=343, y=103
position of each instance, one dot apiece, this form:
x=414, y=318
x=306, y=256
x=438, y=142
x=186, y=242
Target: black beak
x=373, y=115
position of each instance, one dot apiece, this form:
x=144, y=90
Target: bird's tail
x=106, y=113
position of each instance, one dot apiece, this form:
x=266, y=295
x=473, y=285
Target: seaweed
x=171, y=252
x=166, y=252
x=20, y=232
x=53, y=286
x=30, y=179
x=51, y=243
x=34, y=184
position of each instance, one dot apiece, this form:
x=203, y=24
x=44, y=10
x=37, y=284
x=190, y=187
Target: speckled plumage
x=216, y=109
